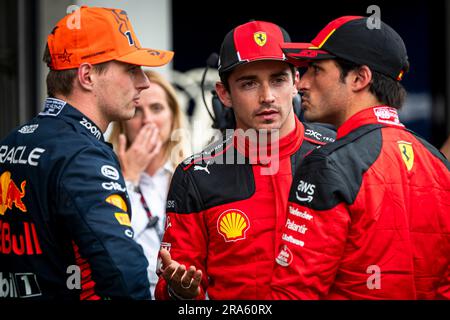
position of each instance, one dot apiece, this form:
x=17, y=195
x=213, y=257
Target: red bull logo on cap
x=10, y=194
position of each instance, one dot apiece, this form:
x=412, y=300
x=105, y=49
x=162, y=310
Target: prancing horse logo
x=260, y=38
x=407, y=153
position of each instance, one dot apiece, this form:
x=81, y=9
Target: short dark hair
x=387, y=90
x=61, y=81
x=224, y=76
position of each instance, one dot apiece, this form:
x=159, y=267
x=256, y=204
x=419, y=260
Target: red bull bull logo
x=10, y=194
x=21, y=239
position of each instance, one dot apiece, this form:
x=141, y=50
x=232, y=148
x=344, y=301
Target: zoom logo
x=91, y=128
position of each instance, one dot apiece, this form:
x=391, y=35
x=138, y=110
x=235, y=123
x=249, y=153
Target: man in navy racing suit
x=65, y=229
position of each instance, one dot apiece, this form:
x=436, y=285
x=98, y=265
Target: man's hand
x=141, y=152
x=185, y=283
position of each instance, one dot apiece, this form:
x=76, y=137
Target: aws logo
x=233, y=225
x=10, y=194
x=306, y=188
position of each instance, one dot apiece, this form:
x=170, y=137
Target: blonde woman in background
x=149, y=147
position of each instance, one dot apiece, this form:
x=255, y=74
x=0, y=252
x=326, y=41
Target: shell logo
x=233, y=224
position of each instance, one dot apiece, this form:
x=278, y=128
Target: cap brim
x=300, y=54
x=242, y=62
x=148, y=57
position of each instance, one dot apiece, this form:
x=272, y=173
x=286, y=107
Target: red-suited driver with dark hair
x=368, y=215
x=226, y=206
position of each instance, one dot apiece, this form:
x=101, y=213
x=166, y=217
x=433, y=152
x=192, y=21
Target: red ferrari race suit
x=368, y=217
x=223, y=217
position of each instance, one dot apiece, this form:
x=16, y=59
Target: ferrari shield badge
x=407, y=152
x=260, y=38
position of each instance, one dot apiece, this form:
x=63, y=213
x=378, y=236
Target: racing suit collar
x=377, y=114
x=262, y=153
x=59, y=108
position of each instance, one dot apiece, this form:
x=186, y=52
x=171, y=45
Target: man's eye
x=133, y=70
x=248, y=84
x=279, y=80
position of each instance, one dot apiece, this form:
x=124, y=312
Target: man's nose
x=304, y=83
x=266, y=95
x=141, y=80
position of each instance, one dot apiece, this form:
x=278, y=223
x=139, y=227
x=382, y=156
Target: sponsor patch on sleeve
x=117, y=201
x=123, y=218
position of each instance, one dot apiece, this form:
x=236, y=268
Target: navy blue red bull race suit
x=64, y=213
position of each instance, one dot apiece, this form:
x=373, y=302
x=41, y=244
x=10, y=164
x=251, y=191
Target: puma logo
x=197, y=167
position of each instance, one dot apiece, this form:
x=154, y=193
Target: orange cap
x=97, y=35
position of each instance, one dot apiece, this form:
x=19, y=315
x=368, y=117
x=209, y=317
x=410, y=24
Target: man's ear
x=361, y=78
x=86, y=76
x=223, y=94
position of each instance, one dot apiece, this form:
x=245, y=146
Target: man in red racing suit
x=368, y=215
x=225, y=206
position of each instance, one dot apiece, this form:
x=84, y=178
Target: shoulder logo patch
x=387, y=115
x=53, y=107
x=28, y=129
x=117, y=200
x=233, y=225
x=407, y=153
x=307, y=189
x=123, y=218
x=110, y=172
